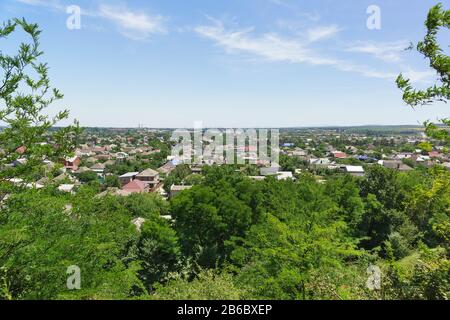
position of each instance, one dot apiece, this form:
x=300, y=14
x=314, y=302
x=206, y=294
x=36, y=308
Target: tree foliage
x=430, y=48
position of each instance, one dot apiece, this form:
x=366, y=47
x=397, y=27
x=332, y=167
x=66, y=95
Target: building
x=21, y=150
x=284, y=175
x=167, y=168
x=98, y=168
x=357, y=171
x=339, y=155
x=121, y=156
x=72, y=163
x=288, y=145
x=149, y=176
x=174, y=190
x=269, y=171
x=136, y=186
x=395, y=164
x=66, y=188
x=127, y=177
x=113, y=192
x=322, y=162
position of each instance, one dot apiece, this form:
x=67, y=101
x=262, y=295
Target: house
x=357, y=171
x=420, y=158
x=85, y=152
x=288, y=145
x=136, y=186
x=269, y=171
x=174, y=190
x=339, y=155
x=322, y=162
x=284, y=175
x=66, y=188
x=403, y=155
x=299, y=153
x=72, y=163
x=91, y=160
x=99, y=150
x=434, y=154
x=98, y=168
x=121, y=156
x=149, y=176
x=127, y=177
x=103, y=157
x=82, y=169
x=21, y=150
x=113, y=192
x=19, y=162
x=43, y=181
x=110, y=163
x=351, y=149
x=395, y=164
x=167, y=168
x=257, y=178
x=64, y=177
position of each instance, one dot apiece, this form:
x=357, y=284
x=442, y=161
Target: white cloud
x=416, y=76
x=387, y=51
x=135, y=25
x=322, y=32
x=53, y=4
x=273, y=47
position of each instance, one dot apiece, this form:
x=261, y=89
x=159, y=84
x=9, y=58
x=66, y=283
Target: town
x=127, y=161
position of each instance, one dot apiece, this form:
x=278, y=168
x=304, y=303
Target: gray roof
x=179, y=188
x=269, y=171
x=129, y=174
x=98, y=166
x=148, y=173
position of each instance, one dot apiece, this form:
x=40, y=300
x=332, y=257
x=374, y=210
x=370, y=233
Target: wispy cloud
x=322, y=32
x=52, y=4
x=387, y=51
x=136, y=25
x=416, y=76
x=273, y=47
x=296, y=10
x=133, y=24
x=278, y=2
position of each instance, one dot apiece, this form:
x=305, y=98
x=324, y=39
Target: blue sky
x=233, y=63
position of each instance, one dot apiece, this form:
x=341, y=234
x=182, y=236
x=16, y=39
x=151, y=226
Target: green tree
x=207, y=285
x=112, y=181
x=437, y=18
x=159, y=252
x=88, y=176
x=25, y=92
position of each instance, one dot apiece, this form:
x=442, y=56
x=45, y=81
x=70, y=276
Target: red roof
x=135, y=186
x=339, y=155
x=21, y=150
x=434, y=154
